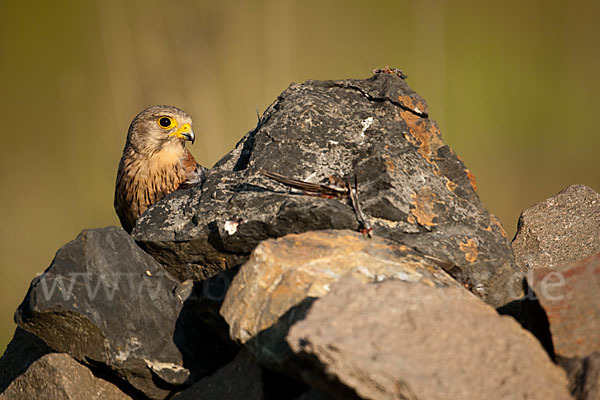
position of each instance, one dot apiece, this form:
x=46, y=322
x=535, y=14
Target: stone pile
x=389, y=280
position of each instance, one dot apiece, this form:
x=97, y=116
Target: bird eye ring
x=166, y=122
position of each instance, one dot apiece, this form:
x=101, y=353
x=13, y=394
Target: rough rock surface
x=314, y=395
x=584, y=376
x=57, y=376
x=24, y=349
x=240, y=379
x=412, y=341
x=562, y=229
x=566, y=313
x=107, y=303
x=570, y=298
x=412, y=188
x=284, y=275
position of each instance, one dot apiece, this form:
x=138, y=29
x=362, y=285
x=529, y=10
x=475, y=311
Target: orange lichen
x=469, y=247
x=451, y=185
x=417, y=106
x=424, y=203
x=389, y=164
x=495, y=221
x=471, y=178
x=426, y=135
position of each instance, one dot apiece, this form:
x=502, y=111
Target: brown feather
x=153, y=165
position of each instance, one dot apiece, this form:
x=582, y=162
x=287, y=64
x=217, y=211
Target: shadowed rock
x=557, y=241
x=283, y=276
x=22, y=351
x=110, y=305
x=240, y=379
x=569, y=312
x=314, y=395
x=584, y=375
x=412, y=188
x=411, y=341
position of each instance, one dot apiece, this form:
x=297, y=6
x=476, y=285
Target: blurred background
x=514, y=86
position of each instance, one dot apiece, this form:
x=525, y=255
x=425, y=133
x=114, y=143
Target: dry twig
x=339, y=188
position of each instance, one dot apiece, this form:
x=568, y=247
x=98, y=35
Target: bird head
x=160, y=126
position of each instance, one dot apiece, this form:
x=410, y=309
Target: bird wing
x=196, y=172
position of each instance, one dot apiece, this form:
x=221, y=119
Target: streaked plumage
x=155, y=161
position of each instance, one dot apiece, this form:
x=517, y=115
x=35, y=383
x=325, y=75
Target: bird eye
x=166, y=122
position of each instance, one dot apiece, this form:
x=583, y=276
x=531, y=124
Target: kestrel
x=155, y=161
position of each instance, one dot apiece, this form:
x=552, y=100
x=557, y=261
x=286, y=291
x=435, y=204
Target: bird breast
x=146, y=180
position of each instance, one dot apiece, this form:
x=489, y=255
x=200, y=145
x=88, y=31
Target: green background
x=514, y=86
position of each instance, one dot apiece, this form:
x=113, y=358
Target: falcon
x=155, y=161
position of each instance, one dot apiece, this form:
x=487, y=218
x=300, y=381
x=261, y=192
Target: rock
x=569, y=296
x=57, y=376
x=566, y=313
x=412, y=188
x=240, y=379
x=285, y=275
x=110, y=305
x=244, y=379
x=559, y=230
x=553, y=240
x=24, y=349
x=314, y=395
x=584, y=376
x=412, y=341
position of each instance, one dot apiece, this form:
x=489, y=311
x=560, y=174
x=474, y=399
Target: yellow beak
x=185, y=133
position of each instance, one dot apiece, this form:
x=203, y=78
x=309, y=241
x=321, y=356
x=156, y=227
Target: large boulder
x=400, y=340
x=110, y=305
x=284, y=276
x=559, y=230
x=412, y=188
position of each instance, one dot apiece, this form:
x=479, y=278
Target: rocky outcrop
x=405, y=340
x=412, y=188
x=378, y=279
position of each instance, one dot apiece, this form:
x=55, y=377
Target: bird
x=155, y=161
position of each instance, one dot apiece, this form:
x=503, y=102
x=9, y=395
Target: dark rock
x=413, y=189
x=314, y=395
x=112, y=306
x=24, y=349
x=244, y=379
x=584, y=375
x=57, y=376
x=565, y=314
x=562, y=229
x=281, y=387
x=411, y=341
x=283, y=276
x=240, y=379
